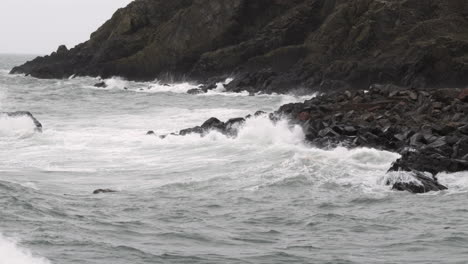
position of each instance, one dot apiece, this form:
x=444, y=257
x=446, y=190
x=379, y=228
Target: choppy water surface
x=264, y=197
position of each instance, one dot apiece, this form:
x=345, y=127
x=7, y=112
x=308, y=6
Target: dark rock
x=62, y=50
x=428, y=160
x=151, y=132
x=461, y=148
x=232, y=126
x=101, y=85
x=304, y=116
x=420, y=184
x=208, y=87
x=195, y=91
x=463, y=96
x=259, y=113
x=463, y=129
x=235, y=121
x=99, y=191
x=193, y=130
x=213, y=123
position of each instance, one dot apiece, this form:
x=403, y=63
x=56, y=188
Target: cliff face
x=276, y=45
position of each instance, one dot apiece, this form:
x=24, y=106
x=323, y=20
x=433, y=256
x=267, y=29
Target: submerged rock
x=99, y=191
x=228, y=128
x=101, y=85
x=195, y=91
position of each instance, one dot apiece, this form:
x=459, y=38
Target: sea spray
x=16, y=126
x=11, y=253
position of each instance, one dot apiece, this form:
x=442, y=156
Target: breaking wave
x=11, y=253
x=16, y=126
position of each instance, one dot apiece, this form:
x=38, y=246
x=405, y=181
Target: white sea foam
x=166, y=88
x=456, y=182
x=116, y=83
x=18, y=126
x=400, y=177
x=10, y=253
x=261, y=130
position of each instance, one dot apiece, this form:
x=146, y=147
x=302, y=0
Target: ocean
x=265, y=196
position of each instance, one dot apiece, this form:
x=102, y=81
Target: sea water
x=265, y=196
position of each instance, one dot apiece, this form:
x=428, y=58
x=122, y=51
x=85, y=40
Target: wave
x=278, y=155
x=259, y=131
x=156, y=86
x=17, y=126
x=11, y=253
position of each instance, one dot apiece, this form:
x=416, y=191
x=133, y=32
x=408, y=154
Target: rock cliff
x=276, y=45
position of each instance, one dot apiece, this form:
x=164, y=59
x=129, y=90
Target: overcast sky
x=40, y=26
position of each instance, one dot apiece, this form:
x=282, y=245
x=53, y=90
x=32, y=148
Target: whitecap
x=16, y=126
x=11, y=253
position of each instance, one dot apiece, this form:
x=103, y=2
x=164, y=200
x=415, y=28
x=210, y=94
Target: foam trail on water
x=172, y=88
x=10, y=253
x=456, y=182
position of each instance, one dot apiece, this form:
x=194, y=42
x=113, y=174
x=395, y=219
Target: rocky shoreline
x=340, y=48
x=275, y=46
x=429, y=128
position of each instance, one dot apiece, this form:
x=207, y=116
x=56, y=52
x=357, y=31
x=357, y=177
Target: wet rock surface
x=229, y=127
x=100, y=191
x=275, y=46
x=420, y=183
x=101, y=85
x=427, y=127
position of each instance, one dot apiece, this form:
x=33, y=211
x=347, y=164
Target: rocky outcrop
x=429, y=128
x=100, y=191
x=37, y=124
x=276, y=45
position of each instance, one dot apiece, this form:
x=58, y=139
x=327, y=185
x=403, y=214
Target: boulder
x=101, y=85
x=420, y=184
x=99, y=191
x=195, y=91
x=26, y=114
x=213, y=124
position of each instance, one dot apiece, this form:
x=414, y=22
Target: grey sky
x=40, y=26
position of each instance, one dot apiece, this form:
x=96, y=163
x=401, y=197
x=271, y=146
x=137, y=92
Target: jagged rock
x=213, y=123
x=208, y=87
x=193, y=130
x=62, y=50
x=463, y=96
x=420, y=184
x=429, y=160
x=463, y=129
